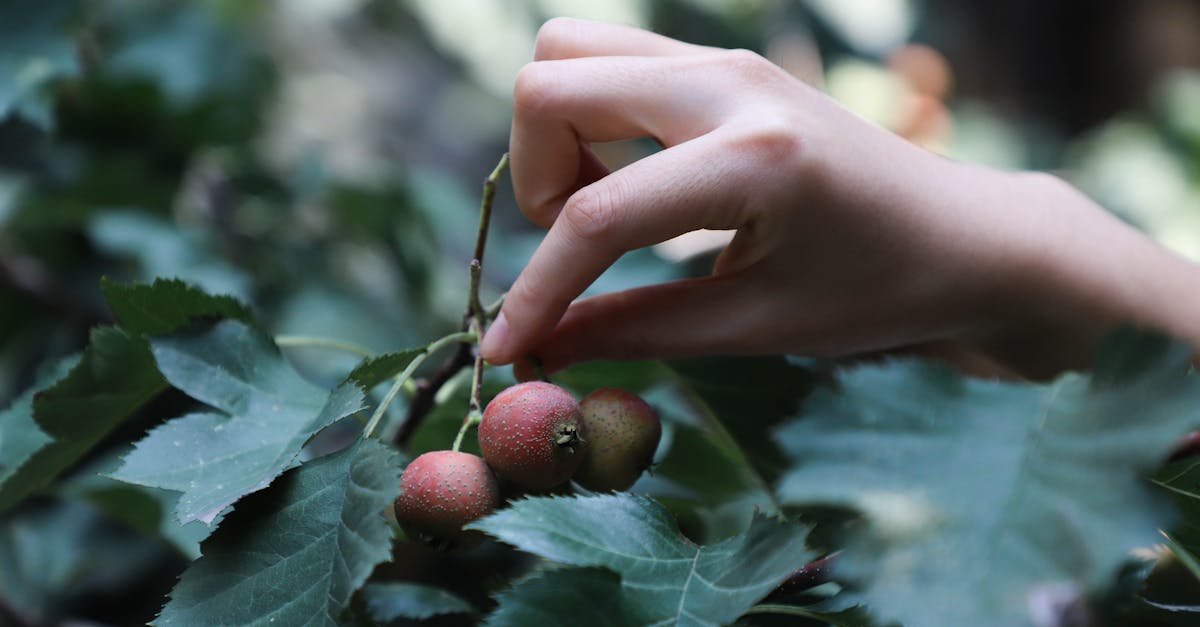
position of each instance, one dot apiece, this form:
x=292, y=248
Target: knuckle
x=771, y=140
x=534, y=88
x=589, y=214
x=750, y=66
x=553, y=37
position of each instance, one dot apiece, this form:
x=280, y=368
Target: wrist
x=1079, y=273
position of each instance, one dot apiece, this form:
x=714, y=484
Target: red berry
x=440, y=492
x=532, y=435
x=623, y=432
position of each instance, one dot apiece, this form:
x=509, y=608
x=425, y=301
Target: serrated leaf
x=167, y=305
x=387, y=602
x=981, y=497
x=667, y=578
x=269, y=411
x=375, y=370
x=579, y=597
x=295, y=553
x=115, y=376
x=20, y=436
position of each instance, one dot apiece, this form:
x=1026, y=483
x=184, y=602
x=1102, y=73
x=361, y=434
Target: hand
x=849, y=239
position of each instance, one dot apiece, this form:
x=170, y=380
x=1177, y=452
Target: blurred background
x=321, y=159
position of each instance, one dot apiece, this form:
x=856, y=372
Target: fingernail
x=494, y=338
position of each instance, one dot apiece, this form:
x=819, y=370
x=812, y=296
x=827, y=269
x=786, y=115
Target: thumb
x=687, y=318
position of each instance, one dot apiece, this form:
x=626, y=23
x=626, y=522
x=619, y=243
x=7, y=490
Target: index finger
x=558, y=105
x=569, y=38
x=669, y=193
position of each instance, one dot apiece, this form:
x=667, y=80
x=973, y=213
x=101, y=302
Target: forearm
x=1084, y=272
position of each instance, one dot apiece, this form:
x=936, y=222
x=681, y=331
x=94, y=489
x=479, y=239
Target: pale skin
x=850, y=240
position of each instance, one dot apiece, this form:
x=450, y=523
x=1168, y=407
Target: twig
x=427, y=390
x=475, y=319
x=804, y=578
x=322, y=342
x=408, y=370
x=485, y=220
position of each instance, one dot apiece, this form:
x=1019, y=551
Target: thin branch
x=794, y=610
x=427, y=390
x=403, y=377
x=485, y=220
x=806, y=577
x=475, y=408
x=322, y=342
x=476, y=318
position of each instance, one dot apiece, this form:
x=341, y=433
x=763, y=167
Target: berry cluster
x=534, y=436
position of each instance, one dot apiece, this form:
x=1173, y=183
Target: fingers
x=672, y=192
x=559, y=104
x=567, y=38
x=713, y=315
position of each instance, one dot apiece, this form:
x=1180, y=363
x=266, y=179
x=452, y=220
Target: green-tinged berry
x=623, y=432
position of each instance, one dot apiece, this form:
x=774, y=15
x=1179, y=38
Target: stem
x=398, y=384
x=485, y=220
x=478, y=316
x=474, y=410
x=427, y=391
x=471, y=420
x=322, y=342
x=493, y=310
x=793, y=610
x=808, y=576
x=475, y=319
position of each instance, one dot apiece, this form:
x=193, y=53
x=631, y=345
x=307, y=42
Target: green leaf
x=375, y=370
x=167, y=305
x=35, y=51
x=1184, y=556
x=579, y=597
x=978, y=497
x=187, y=50
x=295, y=553
x=115, y=376
x=663, y=575
x=20, y=436
x=269, y=412
x=387, y=602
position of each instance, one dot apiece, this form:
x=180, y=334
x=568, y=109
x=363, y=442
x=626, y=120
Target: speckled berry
x=440, y=492
x=532, y=435
x=623, y=432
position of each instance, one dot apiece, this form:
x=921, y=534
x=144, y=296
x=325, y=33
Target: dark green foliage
x=267, y=414
x=664, y=577
x=294, y=554
x=981, y=500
